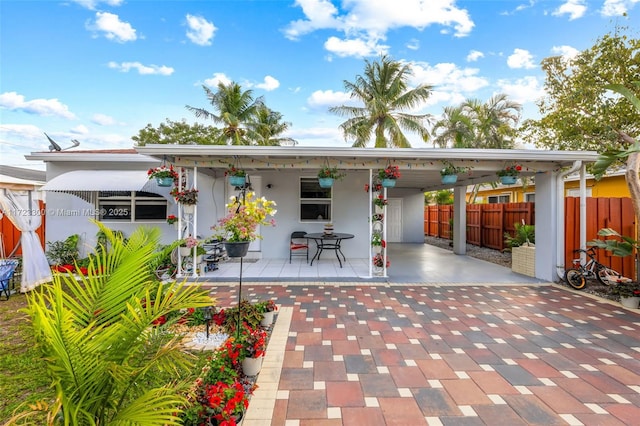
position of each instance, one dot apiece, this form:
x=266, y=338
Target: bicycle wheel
x=607, y=276
x=575, y=278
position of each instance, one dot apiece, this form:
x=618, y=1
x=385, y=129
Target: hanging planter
x=388, y=176
x=237, y=249
x=508, y=180
x=237, y=180
x=449, y=179
x=328, y=175
x=164, y=176
x=237, y=176
x=164, y=181
x=449, y=173
x=326, y=182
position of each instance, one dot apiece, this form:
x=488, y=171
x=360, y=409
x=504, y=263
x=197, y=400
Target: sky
x=98, y=71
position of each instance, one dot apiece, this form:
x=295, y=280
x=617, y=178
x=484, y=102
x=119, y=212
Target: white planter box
x=523, y=260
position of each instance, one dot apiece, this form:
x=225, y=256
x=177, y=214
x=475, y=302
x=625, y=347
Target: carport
x=420, y=173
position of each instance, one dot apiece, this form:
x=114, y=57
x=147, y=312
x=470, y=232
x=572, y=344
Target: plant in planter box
x=524, y=234
x=63, y=252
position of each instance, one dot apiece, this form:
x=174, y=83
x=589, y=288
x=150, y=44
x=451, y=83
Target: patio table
x=329, y=242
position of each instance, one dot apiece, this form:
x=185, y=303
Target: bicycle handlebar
x=591, y=251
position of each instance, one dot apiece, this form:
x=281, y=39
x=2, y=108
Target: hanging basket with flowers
x=380, y=201
x=171, y=219
x=509, y=174
x=164, y=176
x=237, y=176
x=389, y=175
x=449, y=173
x=186, y=196
x=327, y=175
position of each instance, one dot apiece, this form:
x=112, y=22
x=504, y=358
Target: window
x=315, y=202
x=494, y=199
x=530, y=197
x=131, y=206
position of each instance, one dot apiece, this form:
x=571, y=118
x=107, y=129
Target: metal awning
x=99, y=180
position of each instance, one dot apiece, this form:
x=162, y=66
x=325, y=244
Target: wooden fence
x=487, y=223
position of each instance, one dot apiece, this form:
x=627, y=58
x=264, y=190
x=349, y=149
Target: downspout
x=560, y=219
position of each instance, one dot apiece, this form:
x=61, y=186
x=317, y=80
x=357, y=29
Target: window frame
x=309, y=200
x=132, y=202
x=498, y=198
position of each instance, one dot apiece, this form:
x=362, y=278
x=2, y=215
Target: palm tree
x=494, y=122
x=235, y=108
x=266, y=126
x=384, y=92
x=454, y=129
x=99, y=343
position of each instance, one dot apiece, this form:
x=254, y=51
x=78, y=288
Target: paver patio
x=412, y=354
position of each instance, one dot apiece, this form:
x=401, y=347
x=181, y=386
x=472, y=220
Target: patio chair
x=7, y=268
x=298, y=245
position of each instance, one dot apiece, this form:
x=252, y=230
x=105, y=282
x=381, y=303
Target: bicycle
x=578, y=275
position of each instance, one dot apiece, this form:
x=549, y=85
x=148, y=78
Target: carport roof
x=420, y=167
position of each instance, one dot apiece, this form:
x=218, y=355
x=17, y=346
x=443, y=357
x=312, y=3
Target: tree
x=477, y=125
x=179, y=133
x=577, y=113
x=99, y=342
x=384, y=93
x=266, y=127
x=234, y=108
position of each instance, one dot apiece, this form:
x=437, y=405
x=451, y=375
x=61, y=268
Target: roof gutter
x=560, y=202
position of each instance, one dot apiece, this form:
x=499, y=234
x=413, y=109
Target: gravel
x=483, y=253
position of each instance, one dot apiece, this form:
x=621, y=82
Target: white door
x=256, y=186
x=394, y=220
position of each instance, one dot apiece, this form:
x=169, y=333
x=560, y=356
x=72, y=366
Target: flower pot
x=164, y=181
x=251, y=366
x=630, y=302
x=508, y=180
x=237, y=180
x=237, y=249
x=185, y=251
x=188, y=208
x=325, y=182
x=267, y=319
x=449, y=179
x=388, y=183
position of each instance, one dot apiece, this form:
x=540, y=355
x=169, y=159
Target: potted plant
x=239, y=227
x=627, y=292
x=327, y=175
x=164, y=176
x=380, y=201
x=254, y=347
x=379, y=262
x=509, y=174
x=237, y=177
x=188, y=198
x=172, y=220
x=389, y=175
x=268, y=309
x=449, y=173
x=187, y=245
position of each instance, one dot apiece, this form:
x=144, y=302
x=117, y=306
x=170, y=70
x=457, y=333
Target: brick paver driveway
x=459, y=355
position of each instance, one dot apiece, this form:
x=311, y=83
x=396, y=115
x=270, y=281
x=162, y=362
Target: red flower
x=83, y=271
x=161, y=320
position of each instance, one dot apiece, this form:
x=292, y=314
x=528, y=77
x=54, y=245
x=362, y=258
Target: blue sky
x=100, y=70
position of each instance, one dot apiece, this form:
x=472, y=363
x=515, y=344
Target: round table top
x=334, y=236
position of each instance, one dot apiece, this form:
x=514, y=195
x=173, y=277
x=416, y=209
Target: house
x=112, y=186
x=611, y=185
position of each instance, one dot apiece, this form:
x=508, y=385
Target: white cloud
x=355, y=47
x=413, y=44
x=142, y=69
x=112, y=27
x=79, y=130
x=617, y=7
x=567, y=52
x=217, y=78
x=44, y=107
x=447, y=77
x=103, y=120
x=524, y=90
x=92, y=4
x=520, y=58
x=269, y=84
x=474, y=55
x=574, y=8
x=200, y=30
x=317, y=136
x=322, y=99
x=365, y=22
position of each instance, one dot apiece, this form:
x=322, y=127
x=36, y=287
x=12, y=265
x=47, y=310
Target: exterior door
x=394, y=220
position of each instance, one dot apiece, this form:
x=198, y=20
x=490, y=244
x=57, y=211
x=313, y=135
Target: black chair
x=298, y=245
